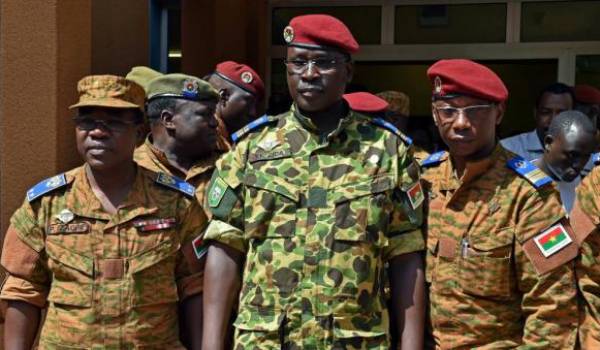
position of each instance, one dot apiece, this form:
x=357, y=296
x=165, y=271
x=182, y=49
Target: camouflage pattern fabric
x=484, y=291
x=588, y=268
x=109, y=281
x=151, y=158
x=317, y=218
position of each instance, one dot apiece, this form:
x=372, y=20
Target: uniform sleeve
x=23, y=258
x=191, y=258
x=225, y=200
x=404, y=232
x=549, y=300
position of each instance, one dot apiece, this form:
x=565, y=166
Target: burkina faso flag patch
x=199, y=248
x=415, y=195
x=553, y=240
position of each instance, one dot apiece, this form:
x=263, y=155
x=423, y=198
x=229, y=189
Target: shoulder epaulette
x=596, y=158
x=433, y=159
x=391, y=127
x=265, y=119
x=46, y=186
x=529, y=171
x=175, y=183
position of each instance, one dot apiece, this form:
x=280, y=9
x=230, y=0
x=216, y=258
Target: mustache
x=311, y=87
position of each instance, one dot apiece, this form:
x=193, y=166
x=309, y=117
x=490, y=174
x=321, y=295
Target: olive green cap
x=142, y=75
x=109, y=91
x=179, y=85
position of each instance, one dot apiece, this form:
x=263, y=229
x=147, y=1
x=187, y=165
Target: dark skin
x=186, y=134
x=548, y=107
x=468, y=138
x=237, y=107
x=566, y=153
x=318, y=95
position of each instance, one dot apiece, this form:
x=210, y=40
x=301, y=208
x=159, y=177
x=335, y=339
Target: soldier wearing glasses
x=312, y=204
x=499, y=248
x=109, y=248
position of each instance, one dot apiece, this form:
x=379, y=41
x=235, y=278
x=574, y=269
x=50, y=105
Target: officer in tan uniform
x=183, y=136
x=109, y=248
x=499, y=259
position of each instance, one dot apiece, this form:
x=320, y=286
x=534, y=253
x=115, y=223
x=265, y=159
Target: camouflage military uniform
x=109, y=281
x=585, y=218
x=317, y=220
x=150, y=157
x=490, y=286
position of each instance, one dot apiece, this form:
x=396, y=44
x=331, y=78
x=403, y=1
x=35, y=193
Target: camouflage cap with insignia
x=142, y=75
x=109, y=91
x=181, y=86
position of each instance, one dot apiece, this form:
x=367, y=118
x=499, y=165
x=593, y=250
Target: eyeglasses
x=113, y=125
x=448, y=114
x=323, y=65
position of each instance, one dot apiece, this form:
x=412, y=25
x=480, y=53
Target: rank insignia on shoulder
x=154, y=224
x=391, y=127
x=596, y=158
x=251, y=126
x=175, y=183
x=46, y=186
x=434, y=159
x=552, y=240
x=529, y=171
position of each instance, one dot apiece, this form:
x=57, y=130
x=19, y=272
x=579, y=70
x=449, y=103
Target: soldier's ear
x=166, y=119
x=349, y=71
x=548, y=140
x=434, y=114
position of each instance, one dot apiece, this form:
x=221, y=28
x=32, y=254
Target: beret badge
x=437, y=83
x=190, y=88
x=288, y=34
x=247, y=77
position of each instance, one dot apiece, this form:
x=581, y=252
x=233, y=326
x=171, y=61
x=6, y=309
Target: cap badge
x=437, y=83
x=65, y=216
x=247, y=77
x=190, y=88
x=288, y=34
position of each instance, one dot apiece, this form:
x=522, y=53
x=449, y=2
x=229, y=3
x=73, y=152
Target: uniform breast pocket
x=270, y=206
x=487, y=267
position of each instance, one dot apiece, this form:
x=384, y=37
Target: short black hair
x=155, y=107
x=561, y=124
x=555, y=89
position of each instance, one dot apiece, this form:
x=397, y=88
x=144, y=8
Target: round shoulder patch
x=288, y=34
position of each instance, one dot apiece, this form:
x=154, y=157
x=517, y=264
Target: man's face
x=106, y=137
x=236, y=107
x=471, y=132
x=568, y=152
x=194, y=125
x=316, y=86
x=549, y=106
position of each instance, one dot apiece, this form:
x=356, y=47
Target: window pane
x=560, y=21
x=363, y=21
x=587, y=70
x=435, y=24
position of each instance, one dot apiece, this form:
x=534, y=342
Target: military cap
x=365, y=102
x=109, y=91
x=587, y=94
x=320, y=31
x=182, y=86
x=242, y=76
x=142, y=75
x=464, y=77
x=399, y=102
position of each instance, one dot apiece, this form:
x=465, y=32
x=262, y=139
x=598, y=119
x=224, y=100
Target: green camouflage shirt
x=317, y=217
x=109, y=281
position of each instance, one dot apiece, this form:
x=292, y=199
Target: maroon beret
x=320, y=31
x=587, y=94
x=243, y=76
x=465, y=77
x=366, y=102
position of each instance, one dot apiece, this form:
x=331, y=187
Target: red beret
x=465, y=77
x=587, y=94
x=320, y=31
x=366, y=102
x=243, y=76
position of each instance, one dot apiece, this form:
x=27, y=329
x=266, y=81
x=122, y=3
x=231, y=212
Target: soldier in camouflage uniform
x=316, y=201
x=499, y=249
x=183, y=136
x=109, y=248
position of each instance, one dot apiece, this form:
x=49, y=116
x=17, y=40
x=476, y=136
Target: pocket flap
x=262, y=180
x=343, y=328
x=75, y=293
x=255, y=319
x=70, y=258
x=500, y=238
x=153, y=256
x=354, y=190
